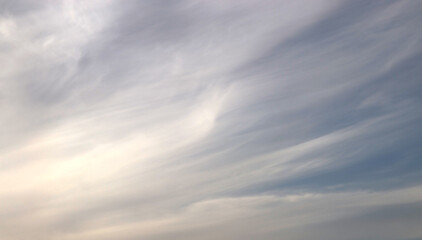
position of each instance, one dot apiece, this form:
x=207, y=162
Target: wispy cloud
x=210, y=120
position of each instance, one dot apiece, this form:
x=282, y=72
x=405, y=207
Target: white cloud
x=200, y=119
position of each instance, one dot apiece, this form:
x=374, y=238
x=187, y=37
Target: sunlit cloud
x=210, y=120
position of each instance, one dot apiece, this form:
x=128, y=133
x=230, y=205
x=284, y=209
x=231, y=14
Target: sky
x=210, y=119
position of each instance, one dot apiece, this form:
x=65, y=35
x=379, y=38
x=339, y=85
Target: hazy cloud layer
x=218, y=119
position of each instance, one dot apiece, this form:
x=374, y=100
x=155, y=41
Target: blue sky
x=224, y=119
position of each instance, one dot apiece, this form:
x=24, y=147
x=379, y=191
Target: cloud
x=210, y=119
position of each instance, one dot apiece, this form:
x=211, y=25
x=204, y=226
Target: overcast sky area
x=210, y=119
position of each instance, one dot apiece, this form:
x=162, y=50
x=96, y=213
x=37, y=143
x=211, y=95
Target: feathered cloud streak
x=210, y=120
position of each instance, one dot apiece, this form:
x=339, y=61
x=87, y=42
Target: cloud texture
x=222, y=119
